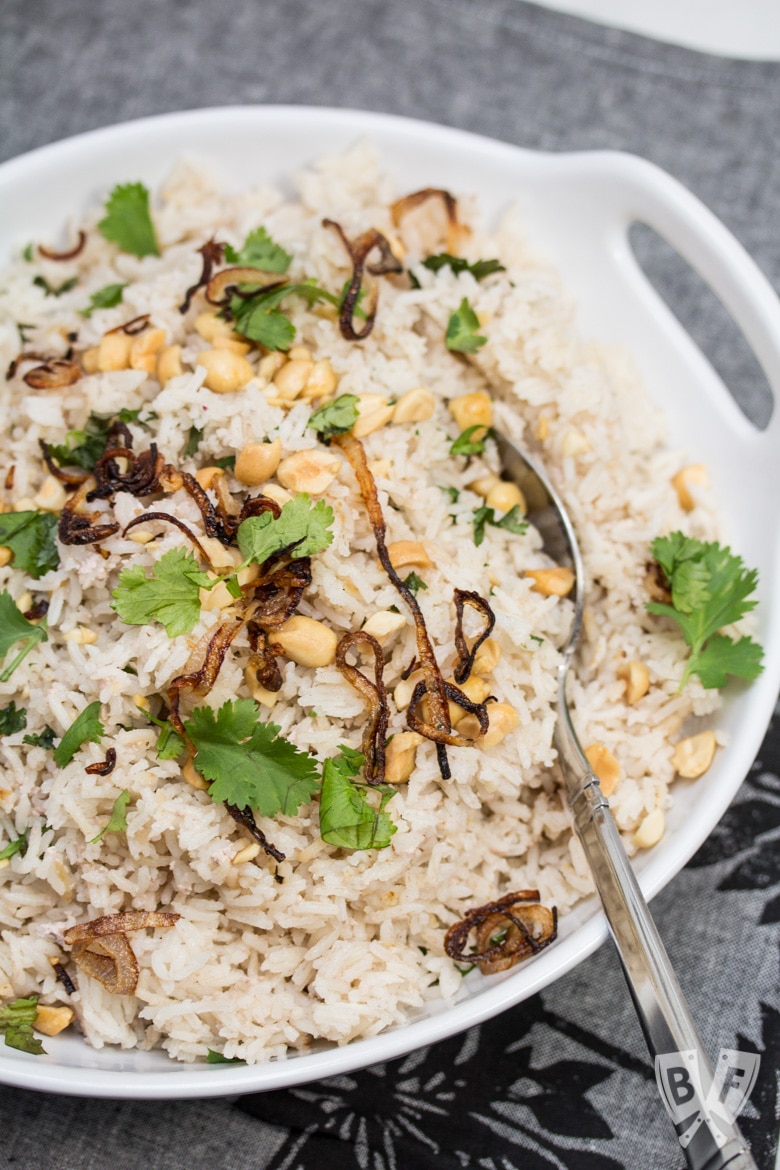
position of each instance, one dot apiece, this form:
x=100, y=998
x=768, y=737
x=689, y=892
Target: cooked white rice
x=350, y=942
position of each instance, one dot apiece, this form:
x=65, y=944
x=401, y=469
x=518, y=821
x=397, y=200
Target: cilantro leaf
x=259, y=251
x=16, y=1024
x=118, y=821
x=105, y=298
x=44, y=739
x=511, y=522
x=49, y=290
x=414, y=583
x=170, y=744
x=170, y=596
x=15, y=628
x=128, y=222
x=479, y=269
x=710, y=589
x=28, y=252
x=462, y=336
x=86, y=727
x=301, y=528
x=83, y=447
x=348, y=819
x=213, y=1057
x=336, y=417
x=194, y=440
x=30, y=536
x=12, y=718
x=226, y=462
x=248, y=763
x=466, y=444
x=259, y=318
x=19, y=845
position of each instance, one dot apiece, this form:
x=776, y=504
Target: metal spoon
x=709, y=1143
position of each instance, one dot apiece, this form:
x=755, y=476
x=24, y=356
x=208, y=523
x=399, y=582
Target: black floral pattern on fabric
x=538, y=1088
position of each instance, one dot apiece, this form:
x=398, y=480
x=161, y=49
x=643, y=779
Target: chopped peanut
x=226, y=372
x=169, y=364
x=484, y=486
x=274, y=492
x=374, y=412
x=487, y=657
x=114, y=352
x=192, y=776
x=555, y=582
x=307, y=641
x=402, y=695
x=693, y=756
x=257, y=462
x=231, y=343
x=543, y=428
x=268, y=366
x=81, y=636
x=651, y=829
x=384, y=624
x=52, y=496
x=400, y=756
x=605, y=767
x=321, y=382
x=310, y=471
x=290, y=380
x=248, y=853
x=144, y=349
x=51, y=1020
x=414, y=406
x=505, y=496
x=89, y=361
x=259, y=693
x=502, y=718
x=693, y=476
x=206, y=476
x=404, y=553
x=574, y=443
x=471, y=410
x=210, y=327
x=637, y=679
x=140, y=536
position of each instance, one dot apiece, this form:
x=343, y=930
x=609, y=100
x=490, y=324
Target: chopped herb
x=537, y=639
x=12, y=719
x=259, y=251
x=217, y=1058
x=511, y=522
x=83, y=447
x=16, y=1024
x=414, y=583
x=226, y=462
x=105, y=298
x=709, y=587
x=462, y=336
x=19, y=845
x=170, y=744
x=128, y=222
x=348, y=819
x=45, y=739
x=466, y=444
x=479, y=269
x=23, y=328
x=50, y=290
x=118, y=821
x=233, y=587
x=130, y=670
x=302, y=528
x=248, y=763
x=260, y=319
x=27, y=254
x=14, y=628
x=85, y=728
x=452, y=492
x=194, y=440
x=30, y=536
x=170, y=596
x=336, y=417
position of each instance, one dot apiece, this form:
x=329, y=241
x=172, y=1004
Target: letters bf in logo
x=690, y=1103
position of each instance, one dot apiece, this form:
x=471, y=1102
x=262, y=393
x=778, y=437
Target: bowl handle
x=648, y=194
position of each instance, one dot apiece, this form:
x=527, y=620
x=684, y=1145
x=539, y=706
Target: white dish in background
x=579, y=208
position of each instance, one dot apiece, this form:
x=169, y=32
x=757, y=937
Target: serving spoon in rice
x=694, y=1097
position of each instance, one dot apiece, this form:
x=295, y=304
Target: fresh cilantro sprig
x=85, y=728
x=348, y=818
x=248, y=763
x=466, y=444
x=710, y=587
x=83, y=447
x=16, y=1024
x=30, y=536
x=479, y=269
x=462, y=335
x=118, y=820
x=107, y=297
x=18, y=845
x=14, y=628
x=170, y=744
x=259, y=251
x=511, y=522
x=12, y=719
x=50, y=290
x=128, y=221
x=44, y=739
x=260, y=318
x=302, y=529
x=336, y=417
x=170, y=596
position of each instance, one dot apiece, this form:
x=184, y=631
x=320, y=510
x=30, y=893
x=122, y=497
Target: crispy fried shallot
x=211, y=253
x=53, y=374
x=83, y=528
x=375, y=730
x=26, y=356
x=408, y=203
x=201, y=681
x=141, y=478
x=506, y=931
x=262, y=660
x=69, y=478
x=165, y=518
x=436, y=725
x=359, y=250
x=105, y=767
x=102, y=949
x=277, y=596
x=70, y=254
x=133, y=326
x=226, y=283
x=245, y=817
x=62, y=976
x=466, y=655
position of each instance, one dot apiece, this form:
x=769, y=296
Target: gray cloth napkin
x=563, y=1080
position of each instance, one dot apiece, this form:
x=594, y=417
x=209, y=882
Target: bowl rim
x=181, y=1080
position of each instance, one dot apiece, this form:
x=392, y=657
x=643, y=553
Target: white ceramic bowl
x=579, y=209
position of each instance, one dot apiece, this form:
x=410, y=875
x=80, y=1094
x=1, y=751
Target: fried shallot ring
x=105, y=767
x=466, y=656
x=53, y=374
x=26, y=356
x=141, y=478
x=359, y=250
x=166, y=518
x=277, y=596
x=133, y=326
x=121, y=923
x=111, y=961
x=245, y=817
x=409, y=202
x=82, y=528
x=211, y=253
x=201, y=681
x=69, y=478
x=526, y=927
x=221, y=287
x=70, y=254
x=375, y=730
x=262, y=660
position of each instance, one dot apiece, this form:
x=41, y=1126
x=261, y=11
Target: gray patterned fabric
x=563, y=1080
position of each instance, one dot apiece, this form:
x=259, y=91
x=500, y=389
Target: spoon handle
x=666, y=1021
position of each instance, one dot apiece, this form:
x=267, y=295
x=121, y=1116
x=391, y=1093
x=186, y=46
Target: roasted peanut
x=605, y=766
x=310, y=471
x=651, y=829
x=400, y=756
x=51, y=1020
x=505, y=496
x=373, y=413
x=226, y=371
x=307, y=641
x=414, y=406
x=290, y=380
x=555, y=582
x=405, y=553
x=692, y=756
x=257, y=462
x=475, y=409
x=574, y=443
x=487, y=657
x=693, y=476
x=637, y=679
x=52, y=496
x=384, y=624
x=169, y=364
